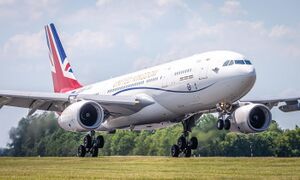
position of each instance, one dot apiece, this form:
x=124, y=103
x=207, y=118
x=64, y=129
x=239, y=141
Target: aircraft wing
x=288, y=104
x=115, y=105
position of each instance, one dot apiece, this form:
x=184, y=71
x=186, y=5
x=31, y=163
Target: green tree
x=288, y=144
x=122, y=143
x=40, y=135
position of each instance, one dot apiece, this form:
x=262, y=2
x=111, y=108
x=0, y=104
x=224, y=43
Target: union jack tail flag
x=62, y=73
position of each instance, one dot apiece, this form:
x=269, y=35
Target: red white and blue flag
x=62, y=73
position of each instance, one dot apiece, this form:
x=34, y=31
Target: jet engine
x=251, y=118
x=82, y=116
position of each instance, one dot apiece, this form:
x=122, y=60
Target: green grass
x=149, y=168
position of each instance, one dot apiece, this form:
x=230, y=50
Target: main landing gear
x=185, y=146
x=224, y=120
x=91, y=144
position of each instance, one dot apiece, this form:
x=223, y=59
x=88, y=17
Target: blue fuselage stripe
x=160, y=89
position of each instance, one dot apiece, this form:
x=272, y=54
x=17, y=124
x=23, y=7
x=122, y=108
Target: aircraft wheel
x=193, y=143
x=81, y=151
x=175, y=151
x=99, y=141
x=94, y=151
x=181, y=142
x=187, y=152
x=220, y=124
x=227, y=124
x=87, y=141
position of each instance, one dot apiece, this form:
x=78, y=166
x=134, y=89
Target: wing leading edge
x=115, y=105
x=288, y=104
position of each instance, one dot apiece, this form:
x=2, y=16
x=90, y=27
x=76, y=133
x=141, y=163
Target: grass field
x=149, y=168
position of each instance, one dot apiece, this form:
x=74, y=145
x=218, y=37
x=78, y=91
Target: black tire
x=175, y=151
x=227, y=124
x=188, y=152
x=181, y=142
x=81, y=151
x=99, y=141
x=193, y=143
x=87, y=141
x=220, y=124
x=94, y=151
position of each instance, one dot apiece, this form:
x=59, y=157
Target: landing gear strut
x=185, y=145
x=224, y=121
x=91, y=144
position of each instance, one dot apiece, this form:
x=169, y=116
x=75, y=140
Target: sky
x=107, y=38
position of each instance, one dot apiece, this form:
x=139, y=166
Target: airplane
x=180, y=91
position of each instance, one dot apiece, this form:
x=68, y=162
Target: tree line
x=40, y=135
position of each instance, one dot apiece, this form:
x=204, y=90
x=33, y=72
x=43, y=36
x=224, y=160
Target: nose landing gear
x=224, y=124
x=91, y=144
x=224, y=121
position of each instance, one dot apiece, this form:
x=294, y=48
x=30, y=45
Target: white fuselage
x=182, y=87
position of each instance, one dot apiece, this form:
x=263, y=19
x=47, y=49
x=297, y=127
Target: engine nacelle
x=81, y=116
x=251, y=118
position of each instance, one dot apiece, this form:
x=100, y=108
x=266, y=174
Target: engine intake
x=88, y=115
x=251, y=118
x=82, y=116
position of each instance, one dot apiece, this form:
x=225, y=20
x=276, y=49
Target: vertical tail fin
x=62, y=73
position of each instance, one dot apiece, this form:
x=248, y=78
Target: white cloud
x=232, y=7
x=280, y=31
x=146, y=62
x=6, y=2
x=25, y=45
x=199, y=36
x=132, y=41
x=142, y=62
x=102, y=2
x=289, y=92
x=162, y=3
x=28, y=10
x=7, y=13
x=87, y=40
x=206, y=6
x=116, y=15
x=33, y=45
x=36, y=10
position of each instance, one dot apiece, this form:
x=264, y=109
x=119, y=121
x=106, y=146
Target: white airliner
x=157, y=97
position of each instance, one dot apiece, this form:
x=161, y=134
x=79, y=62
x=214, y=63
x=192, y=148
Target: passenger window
x=248, y=62
x=226, y=63
x=239, y=62
x=231, y=63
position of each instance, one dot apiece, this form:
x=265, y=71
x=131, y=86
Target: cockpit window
x=248, y=62
x=232, y=62
x=226, y=63
x=239, y=62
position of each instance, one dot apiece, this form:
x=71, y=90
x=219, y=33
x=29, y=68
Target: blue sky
x=107, y=38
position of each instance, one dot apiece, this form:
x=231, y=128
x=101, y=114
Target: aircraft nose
x=249, y=71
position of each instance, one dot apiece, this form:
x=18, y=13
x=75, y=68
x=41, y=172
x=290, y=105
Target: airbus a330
x=176, y=92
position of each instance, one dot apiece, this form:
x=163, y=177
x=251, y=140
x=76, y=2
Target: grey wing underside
x=115, y=105
x=287, y=104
